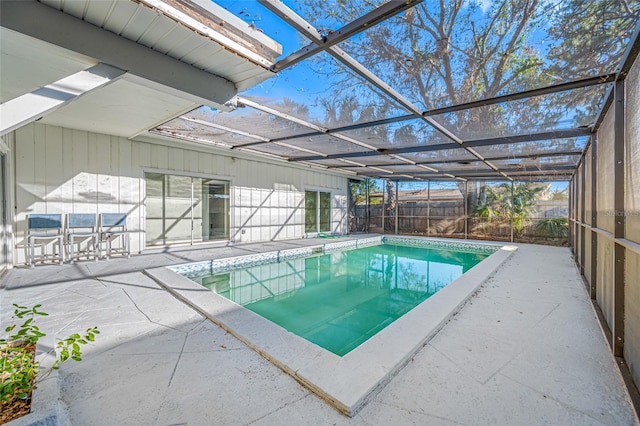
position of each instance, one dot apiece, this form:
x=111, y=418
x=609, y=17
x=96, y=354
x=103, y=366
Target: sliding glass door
x=185, y=209
x=317, y=211
x=213, y=214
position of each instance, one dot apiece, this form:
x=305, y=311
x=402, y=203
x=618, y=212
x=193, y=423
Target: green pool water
x=341, y=299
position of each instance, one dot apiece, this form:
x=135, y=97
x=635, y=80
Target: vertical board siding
x=67, y=166
x=24, y=176
x=81, y=176
x=39, y=189
x=62, y=170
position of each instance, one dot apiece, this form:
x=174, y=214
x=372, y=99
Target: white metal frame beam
x=50, y=25
x=380, y=14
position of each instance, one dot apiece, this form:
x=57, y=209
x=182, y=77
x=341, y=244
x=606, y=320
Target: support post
x=594, y=215
x=367, y=213
x=582, y=203
x=384, y=195
x=571, y=223
x=512, y=201
x=428, y=208
x=397, y=207
x=619, y=211
x=466, y=212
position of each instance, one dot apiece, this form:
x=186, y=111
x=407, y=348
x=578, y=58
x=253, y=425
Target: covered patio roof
x=413, y=90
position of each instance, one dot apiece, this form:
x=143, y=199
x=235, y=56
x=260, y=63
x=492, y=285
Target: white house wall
x=60, y=170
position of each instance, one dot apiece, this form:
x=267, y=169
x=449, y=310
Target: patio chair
x=82, y=228
x=113, y=227
x=44, y=230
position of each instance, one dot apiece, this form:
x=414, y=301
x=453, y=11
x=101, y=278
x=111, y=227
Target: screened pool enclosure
x=466, y=119
x=229, y=122
x=493, y=102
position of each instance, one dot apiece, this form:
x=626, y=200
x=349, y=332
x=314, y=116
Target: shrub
x=17, y=361
x=557, y=227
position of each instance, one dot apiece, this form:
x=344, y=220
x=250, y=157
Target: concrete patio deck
x=526, y=349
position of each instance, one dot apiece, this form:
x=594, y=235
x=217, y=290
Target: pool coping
x=347, y=382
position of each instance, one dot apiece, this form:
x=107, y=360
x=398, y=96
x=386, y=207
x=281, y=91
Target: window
x=317, y=211
x=185, y=209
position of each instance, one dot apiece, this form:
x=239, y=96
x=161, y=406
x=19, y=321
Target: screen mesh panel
x=564, y=110
x=447, y=53
x=320, y=91
x=409, y=133
x=200, y=131
x=326, y=144
x=250, y=120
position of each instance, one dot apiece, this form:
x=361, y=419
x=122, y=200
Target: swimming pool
x=339, y=300
x=345, y=382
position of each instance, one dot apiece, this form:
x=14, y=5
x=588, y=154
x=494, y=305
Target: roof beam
x=472, y=173
x=529, y=178
x=50, y=25
x=554, y=134
x=471, y=160
x=507, y=157
x=368, y=20
x=531, y=169
x=572, y=85
x=32, y=106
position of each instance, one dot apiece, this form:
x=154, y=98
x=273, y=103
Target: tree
x=359, y=190
x=559, y=194
x=449, y=52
